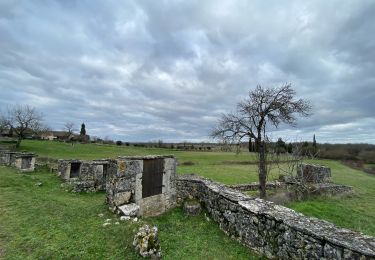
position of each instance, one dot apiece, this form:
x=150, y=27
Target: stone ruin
x=311, y=173
x=143, y=185
x=310, y=180
x=83, y=175
x=24, y=162
x=134, y=185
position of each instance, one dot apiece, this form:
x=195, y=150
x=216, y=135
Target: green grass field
x=46, y=222
x=356, y=212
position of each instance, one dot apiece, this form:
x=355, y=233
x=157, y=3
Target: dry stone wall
x=274, y=230
x=312, y=189
x=86, y=175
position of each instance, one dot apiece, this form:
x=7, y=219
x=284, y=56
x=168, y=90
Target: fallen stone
x=135, y=219
x=130, y=210
x=38, y=184
x=106, y=224
x=117, y=223
x=123, y=218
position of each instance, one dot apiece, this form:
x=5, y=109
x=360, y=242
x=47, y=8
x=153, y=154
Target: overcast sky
x=149, y=70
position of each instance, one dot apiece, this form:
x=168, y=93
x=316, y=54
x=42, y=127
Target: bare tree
x=24, y=120
x=4, y=124
x=263, y=107
x=69, y=128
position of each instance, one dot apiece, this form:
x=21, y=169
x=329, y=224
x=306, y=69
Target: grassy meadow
x=356, y=212
x=46, y=222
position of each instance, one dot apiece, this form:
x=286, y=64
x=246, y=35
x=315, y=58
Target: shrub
x=367, y=156
x=118, y=142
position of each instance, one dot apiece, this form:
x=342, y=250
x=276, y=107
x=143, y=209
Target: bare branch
x=24, y=120
x=262, y=107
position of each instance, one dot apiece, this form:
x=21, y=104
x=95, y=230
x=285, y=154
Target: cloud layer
x=149, y=70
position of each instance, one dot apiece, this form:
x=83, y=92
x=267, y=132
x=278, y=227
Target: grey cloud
x=148, y=70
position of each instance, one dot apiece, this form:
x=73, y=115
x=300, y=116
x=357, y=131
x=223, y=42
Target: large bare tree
x=262, y=108
x=24, y=120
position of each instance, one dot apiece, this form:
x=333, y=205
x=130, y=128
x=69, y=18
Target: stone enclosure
x=148, y=186
x=22, y=161
x=310, y=180
x=143, y=185
x=134, y=185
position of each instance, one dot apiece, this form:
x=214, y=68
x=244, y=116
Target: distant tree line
x=363, y=152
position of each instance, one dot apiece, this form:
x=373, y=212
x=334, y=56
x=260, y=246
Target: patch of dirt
x=187, y=163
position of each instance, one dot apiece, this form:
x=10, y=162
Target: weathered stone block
x=192, y=208
x=121, y=198
x=314, y=173
x=130, y=210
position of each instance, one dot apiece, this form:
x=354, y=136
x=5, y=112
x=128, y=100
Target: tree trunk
x=250, y=145
x=18, y=144
x=262, y=171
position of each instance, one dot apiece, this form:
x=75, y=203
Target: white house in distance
x=57, y=135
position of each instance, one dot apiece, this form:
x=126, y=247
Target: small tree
x=280, y=146
x=315, y=146
x=69, y=128
x=262, y=106
x=83, y=130
x=290, y=148
x=24, y=120
x=83, y=137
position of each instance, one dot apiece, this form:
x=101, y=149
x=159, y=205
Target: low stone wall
x=330, y=189
x=313, y=189
x=273, y=230
x=255, y=186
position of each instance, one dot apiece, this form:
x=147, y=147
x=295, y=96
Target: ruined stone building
x=134, y=185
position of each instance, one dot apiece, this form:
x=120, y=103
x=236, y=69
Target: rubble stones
x=124, y=218
x=146, y=242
